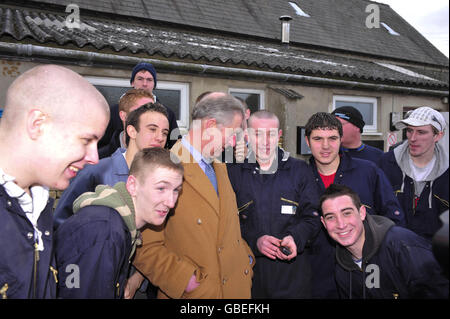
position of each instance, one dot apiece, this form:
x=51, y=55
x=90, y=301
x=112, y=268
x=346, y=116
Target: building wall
x=292, y=113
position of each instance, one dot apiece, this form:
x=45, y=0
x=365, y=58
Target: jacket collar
x=281, y=161
x=375, y=228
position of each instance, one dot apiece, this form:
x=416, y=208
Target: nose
x=340, y=222
x=92, y=154
x=170, y=200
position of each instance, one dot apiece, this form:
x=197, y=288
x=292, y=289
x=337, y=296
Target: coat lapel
x=195, y=177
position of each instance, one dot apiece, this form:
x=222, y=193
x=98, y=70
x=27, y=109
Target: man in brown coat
x=200, y=253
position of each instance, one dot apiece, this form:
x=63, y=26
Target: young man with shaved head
x=50, y=127
x=277, y=204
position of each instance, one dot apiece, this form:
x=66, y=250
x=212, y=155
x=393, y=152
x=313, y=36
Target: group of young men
x=354, y=222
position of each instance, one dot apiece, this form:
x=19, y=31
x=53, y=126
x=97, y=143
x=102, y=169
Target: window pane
x=112, y=94
x=170, y=99
x=251, y=99
x=366, y=109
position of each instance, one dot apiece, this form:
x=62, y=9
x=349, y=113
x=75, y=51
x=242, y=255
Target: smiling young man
x=418, y=171
x=49, y=131
x=101, y=237
x=148, y=127
x=323, y=133
x=375, y=258
x=277, y=200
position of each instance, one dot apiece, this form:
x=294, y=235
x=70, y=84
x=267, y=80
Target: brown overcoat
x=202, y=236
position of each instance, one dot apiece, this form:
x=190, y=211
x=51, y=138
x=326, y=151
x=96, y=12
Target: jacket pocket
x=8, y=284
x=288, y=207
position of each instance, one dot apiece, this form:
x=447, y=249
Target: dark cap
x=350, y=114
x=144, y=66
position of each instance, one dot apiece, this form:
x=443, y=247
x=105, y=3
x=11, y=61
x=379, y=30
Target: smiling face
x=152, y=131
x=154, y=194
x=216, y=137
x=344, y=222
x=264, y=135
x=421, y=140
x=70, y=145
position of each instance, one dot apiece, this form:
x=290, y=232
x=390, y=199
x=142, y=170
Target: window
x=366, y=105
x=253, y=98
x=174, y=95
x=298, y=10
x=389, y=29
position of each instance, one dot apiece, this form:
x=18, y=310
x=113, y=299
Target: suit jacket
x=202, y=236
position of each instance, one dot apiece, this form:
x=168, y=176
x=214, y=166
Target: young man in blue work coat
x=277, y=200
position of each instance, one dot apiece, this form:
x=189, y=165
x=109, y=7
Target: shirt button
x=47, y=233
x=246, y=271
x=29, y=235
x=199, y=221
x=9, y=203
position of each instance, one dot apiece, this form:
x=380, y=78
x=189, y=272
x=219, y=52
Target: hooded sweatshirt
x=422, y=201
x=396, y=263
x=403, y=160
x=100, y=240
x=117, y=198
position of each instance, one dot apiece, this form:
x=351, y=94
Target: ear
x=323, y=222
x=210, y=123
x=438, y=136
x=280, y=133
x=362, y=212
x=123, y=116
x=131, y=131
x=307, y=141
x=132, y=185
x=35, y=123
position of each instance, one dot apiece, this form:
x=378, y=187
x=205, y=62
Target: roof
x=40, y=27
x=336, y=24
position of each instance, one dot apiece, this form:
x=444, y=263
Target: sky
x=429, y=17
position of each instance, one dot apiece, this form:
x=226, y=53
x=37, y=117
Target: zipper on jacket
x=118, y=289
x=443, y=201
x=55, y=274
x=36, y=259
x=3, y=291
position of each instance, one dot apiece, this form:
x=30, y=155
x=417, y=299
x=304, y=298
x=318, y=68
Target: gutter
x=85, y=58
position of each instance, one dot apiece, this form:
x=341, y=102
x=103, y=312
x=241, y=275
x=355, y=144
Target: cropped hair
x=134, y=116
x=323, y=121
x=150, y=158
x=337, y=190
x=130, y=97
x=263, y=114
x=222, y=108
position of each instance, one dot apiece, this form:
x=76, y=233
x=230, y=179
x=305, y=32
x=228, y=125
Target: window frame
x=368, y=129
x=251, y=91
x=183, y=122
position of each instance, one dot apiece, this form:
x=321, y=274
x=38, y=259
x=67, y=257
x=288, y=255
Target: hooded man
x=418, y=171
x=375, y=258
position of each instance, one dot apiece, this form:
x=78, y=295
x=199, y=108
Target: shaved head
x=55, y=90
x=52, y=121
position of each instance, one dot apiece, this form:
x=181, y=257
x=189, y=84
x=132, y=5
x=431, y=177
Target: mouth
x=344, y=234
x=162, y=213
x=73, y=170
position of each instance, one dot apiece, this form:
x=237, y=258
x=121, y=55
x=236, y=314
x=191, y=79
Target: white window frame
x=183, y=122
x=368, y=129
x=251, y=91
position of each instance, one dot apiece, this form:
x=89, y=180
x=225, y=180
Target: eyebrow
x=341, y=211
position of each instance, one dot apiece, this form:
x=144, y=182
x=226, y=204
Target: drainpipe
x=43, y=54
